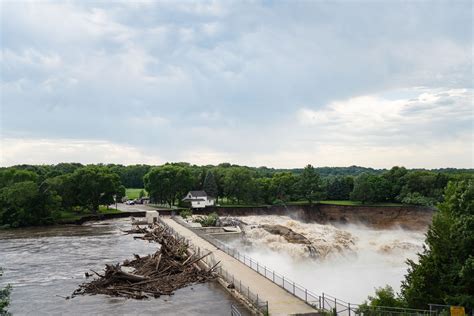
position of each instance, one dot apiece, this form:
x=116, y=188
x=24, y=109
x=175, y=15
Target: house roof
x=197, y=196
x=198, y=193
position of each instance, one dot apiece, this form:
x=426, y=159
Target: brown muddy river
x=46, y=264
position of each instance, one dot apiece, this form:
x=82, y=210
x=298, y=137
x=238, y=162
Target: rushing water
x=351, y=260
x=45, y=265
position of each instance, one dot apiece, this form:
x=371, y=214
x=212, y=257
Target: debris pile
x=170, y=268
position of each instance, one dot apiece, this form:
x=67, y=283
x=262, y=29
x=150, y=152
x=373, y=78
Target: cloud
x=231, y=75
x=47, y=151
x=429, y=117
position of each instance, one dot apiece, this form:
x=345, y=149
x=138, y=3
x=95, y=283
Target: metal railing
x=323, y=302
x=234, y=311
x=254, y=299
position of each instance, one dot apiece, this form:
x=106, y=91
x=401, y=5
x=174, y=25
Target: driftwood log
x=170, y=268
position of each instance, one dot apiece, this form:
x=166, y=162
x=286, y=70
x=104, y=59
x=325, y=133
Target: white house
x=199, y=199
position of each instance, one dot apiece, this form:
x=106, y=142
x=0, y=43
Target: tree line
x=37, y=194
x=32, y=197
x=234, y=184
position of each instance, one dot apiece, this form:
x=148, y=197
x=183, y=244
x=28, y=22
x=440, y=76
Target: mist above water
x=351, y=260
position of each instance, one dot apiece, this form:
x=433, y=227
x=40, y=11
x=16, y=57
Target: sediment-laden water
x=349, y=261
x=45, y=265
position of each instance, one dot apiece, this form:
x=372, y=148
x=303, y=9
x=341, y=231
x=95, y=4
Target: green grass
x=225, y=202
x=133, y=194
x=357, y=203
x=345, y=203
x=70, y=216
x=341, y=202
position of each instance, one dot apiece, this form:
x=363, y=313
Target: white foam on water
x=351, y=259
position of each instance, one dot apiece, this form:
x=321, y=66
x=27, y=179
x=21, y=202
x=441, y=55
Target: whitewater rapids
x=350, y=261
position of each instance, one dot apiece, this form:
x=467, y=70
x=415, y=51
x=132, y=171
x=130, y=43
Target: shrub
x=4, y=298
x=417, y=199
x=209, y=220
x=186, y=213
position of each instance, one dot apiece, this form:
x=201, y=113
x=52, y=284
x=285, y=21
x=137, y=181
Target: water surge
x=349, y=262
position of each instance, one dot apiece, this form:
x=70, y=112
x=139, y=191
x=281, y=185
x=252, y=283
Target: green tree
x=384, y=297
x=120, y=193
x=444, y=273
x=11, y=176
x=309, y=184
x=426, y=186
x=263, y=186
x=283, y=186
x=239, y=184
x=130, y=176
x=168, y=183
x=25, y=203
x=396, y=177
x=369, y=188
x=66, y=187
x=210, y=185
x=95, y=186
x=339, y=188
x=4, y=298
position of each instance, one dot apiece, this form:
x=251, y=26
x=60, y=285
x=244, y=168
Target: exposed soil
x=379, y=217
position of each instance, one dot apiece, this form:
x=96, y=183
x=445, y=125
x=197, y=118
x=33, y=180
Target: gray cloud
x=231, y=76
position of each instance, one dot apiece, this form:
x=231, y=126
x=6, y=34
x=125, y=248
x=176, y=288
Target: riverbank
x=379, y=217
x=376, y=216
x=78, y=218
x=70, y=217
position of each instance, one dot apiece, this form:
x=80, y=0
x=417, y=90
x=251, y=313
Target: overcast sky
x=281, y=84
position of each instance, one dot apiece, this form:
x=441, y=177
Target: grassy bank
x=134, y=193
x=71, y=216
x=355, y=203
x=328, y=202
x=345, y=203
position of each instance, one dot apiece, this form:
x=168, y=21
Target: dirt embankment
x=407, y=217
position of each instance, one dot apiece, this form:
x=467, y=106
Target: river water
x=45, y=265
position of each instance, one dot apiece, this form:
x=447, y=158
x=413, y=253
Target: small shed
x=151, y=217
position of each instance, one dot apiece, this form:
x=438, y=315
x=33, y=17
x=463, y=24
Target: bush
x=4, y=298
x=417, y=199
x=278, y=202
x=210, y=220
x=384, y=297
x=186, y=213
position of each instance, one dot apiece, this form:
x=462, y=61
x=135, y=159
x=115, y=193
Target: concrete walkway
x=280, y=302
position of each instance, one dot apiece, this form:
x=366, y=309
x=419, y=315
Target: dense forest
x=39, y=194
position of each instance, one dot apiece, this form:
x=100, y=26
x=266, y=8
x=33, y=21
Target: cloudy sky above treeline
x=275, y=83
